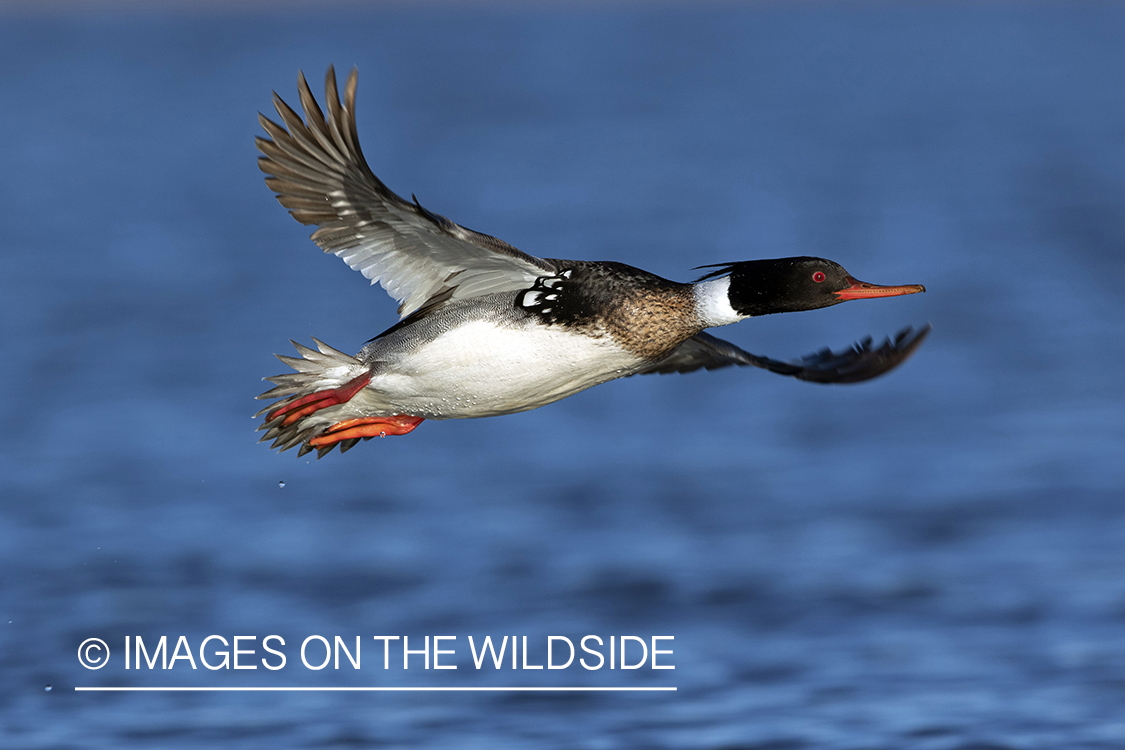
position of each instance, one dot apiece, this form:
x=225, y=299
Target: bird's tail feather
x=324, y=377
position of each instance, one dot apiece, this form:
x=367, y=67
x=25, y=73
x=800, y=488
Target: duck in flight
x=486, y=329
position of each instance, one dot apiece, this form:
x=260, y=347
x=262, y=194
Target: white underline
x=374, y=689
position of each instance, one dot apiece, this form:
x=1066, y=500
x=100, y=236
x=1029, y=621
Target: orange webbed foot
x=364, y=427
x=306, y=405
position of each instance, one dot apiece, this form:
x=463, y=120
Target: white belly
x=481, y=370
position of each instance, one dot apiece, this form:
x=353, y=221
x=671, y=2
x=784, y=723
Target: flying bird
x=486, y=329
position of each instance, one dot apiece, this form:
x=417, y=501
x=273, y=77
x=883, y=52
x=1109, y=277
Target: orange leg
x=306, y=405
x=399, y=424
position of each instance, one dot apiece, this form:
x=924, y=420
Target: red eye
x=818, y=276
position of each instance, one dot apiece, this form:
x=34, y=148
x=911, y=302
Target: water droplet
x=281, y=484
x=48, y=688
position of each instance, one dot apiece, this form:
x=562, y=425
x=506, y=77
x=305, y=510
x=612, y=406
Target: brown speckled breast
x=646, y=314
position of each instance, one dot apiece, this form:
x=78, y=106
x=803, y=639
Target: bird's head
x=761, y=287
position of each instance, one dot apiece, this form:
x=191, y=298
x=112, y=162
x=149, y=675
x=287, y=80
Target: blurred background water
x=934, y=560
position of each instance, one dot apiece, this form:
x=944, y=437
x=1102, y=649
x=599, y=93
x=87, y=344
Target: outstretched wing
x=860, y=362
x=420, y=258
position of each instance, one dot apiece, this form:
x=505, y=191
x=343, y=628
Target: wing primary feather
x=350, y=132
x=298, y=132
x=314, y=118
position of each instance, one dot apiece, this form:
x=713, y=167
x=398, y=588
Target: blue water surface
x=932, y=560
